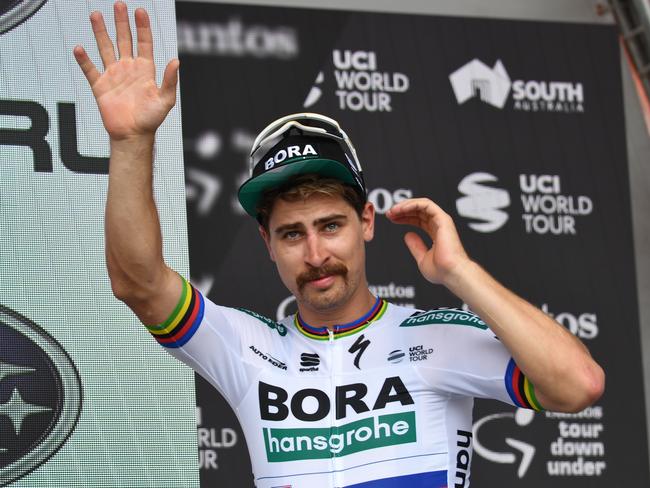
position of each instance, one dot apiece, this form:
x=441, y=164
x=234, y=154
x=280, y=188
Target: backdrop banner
x=87, y=397
x=515, y=128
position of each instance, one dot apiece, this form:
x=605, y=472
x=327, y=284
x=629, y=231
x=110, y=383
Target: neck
x=356, y=307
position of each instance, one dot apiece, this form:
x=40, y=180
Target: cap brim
x=253, y=189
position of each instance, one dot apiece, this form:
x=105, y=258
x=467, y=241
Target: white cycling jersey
x=383, y=402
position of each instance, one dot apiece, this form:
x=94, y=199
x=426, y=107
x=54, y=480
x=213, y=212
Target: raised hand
x=446, y=254
x=129, y=100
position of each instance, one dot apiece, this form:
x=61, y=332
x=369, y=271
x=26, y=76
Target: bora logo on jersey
x=292, y=444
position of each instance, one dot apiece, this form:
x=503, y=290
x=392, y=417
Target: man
x=351, y=391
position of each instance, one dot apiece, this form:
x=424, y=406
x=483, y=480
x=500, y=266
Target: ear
x=368, y=221
x=267, y=241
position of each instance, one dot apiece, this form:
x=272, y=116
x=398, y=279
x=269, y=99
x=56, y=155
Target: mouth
x=321, y=278
x=323, y=282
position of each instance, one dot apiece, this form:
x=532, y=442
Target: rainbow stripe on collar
x=184, y=320
x=344, y=330
x=520, y=389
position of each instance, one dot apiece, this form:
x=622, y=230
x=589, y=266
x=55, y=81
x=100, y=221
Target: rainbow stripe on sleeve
x=520, y=389
x=184, y=320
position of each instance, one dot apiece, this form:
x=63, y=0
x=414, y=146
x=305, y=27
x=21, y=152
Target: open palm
x=128, y=98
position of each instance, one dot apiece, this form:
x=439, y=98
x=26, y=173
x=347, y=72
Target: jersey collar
x=343, y=330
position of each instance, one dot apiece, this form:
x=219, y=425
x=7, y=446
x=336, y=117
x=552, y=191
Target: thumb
x=416, y=246
x=170, y=79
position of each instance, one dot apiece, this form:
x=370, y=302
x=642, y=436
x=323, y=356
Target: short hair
x=301, y=187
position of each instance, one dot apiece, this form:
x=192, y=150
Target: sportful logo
x=493, y=85
x=15, y=12
x=482, y=202
x=309, y=361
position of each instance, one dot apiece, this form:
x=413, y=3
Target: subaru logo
x=15, y=12
x=40, y=396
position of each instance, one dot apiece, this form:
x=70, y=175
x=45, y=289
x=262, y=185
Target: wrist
x=460, y=275
x=134, y=144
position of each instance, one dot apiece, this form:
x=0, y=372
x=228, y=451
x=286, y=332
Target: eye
x=291, y=235
x=332, y=227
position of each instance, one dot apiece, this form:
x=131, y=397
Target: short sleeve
x=209, y=338
x=470, y=360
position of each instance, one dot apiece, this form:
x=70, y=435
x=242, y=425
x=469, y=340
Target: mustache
x=316, y=273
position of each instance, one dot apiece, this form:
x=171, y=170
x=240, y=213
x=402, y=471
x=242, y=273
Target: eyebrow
x=317, y=222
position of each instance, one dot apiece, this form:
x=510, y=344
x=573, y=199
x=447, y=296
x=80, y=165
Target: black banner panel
x=515, y=128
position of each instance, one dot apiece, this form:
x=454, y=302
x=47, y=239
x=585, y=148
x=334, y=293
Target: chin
x=324, y=300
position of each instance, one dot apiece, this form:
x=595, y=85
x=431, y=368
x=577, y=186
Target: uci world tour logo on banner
x=361, y=84
x=493, y=86
x=545, y=207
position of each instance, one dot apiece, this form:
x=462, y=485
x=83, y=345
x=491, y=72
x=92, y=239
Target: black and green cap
x=299, y=144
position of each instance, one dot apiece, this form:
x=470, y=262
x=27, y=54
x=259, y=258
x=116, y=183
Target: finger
x=87, y=66
x=123, y=30
x=170, y=79
x=104, y=43
x=415, y=245
x=416, y=205
x=143, y=29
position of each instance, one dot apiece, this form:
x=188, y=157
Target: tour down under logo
x=15, y=12
x=40, y=396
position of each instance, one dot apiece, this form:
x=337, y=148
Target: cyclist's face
x=318, y=246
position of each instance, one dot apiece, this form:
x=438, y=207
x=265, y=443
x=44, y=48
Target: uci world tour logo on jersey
x=319, y=440
x=493, y=86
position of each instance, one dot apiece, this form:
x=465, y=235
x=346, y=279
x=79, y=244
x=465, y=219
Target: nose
x=316, y=253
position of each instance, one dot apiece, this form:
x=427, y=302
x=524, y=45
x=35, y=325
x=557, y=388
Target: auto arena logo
x=15, y=12
x=360, y=84
x=545, y=208
x=493, y=85
x=40, y=396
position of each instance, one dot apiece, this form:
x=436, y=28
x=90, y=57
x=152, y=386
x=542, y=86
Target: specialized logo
x=15, y=12
x=237, y=39
x=360, y=84
x=396, y=356
x=40, y=396
x=482, y=202
x=290, y=444
x=288, y=154
x=359, y=347
x=309, y=361
x=493, y=85
x=268, y=358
